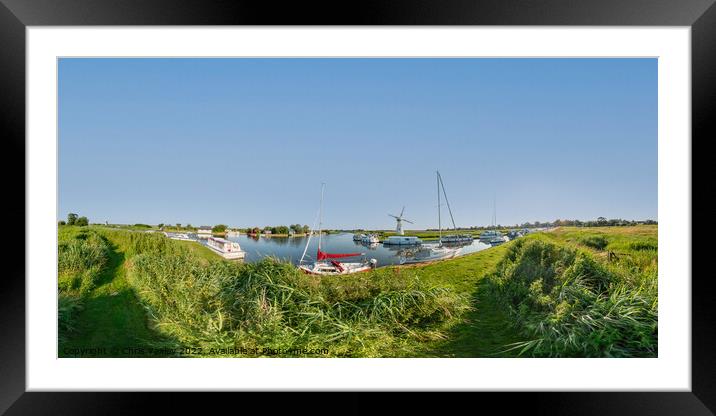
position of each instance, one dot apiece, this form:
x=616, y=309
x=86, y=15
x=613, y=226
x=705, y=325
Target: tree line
x=599, y=222
x=74, y=219
x=280, y=229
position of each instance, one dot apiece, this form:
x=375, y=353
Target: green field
x=139, y=292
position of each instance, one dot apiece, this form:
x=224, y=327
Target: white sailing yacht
x=431, y=252
x=463, y=239
x=326, y=263
x=493, y=236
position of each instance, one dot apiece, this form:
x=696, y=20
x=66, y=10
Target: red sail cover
x=322, y=256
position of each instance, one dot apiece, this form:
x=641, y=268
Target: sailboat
x=493, y=236
x=431, y=252
x=326, y=263
x=461, y=239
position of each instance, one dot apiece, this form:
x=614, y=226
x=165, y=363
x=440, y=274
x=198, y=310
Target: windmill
x=399, y=219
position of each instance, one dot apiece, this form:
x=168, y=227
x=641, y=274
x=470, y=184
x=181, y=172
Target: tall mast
x=440, y=228
x=440, y=178
x=310, y=234
x=494, y=210
x=320, y=215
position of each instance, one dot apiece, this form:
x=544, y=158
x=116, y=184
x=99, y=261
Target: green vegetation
x=82, y=255
x=199, y=302
x=272, y=305
x=547, y=294
x=219, y=229
x=597, y=242
x=569, y=300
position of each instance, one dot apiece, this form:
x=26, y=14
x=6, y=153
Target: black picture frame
x=16, y=15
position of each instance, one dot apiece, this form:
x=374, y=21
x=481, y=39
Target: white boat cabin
x=227, y=249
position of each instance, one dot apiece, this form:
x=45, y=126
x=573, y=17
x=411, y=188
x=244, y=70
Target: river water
x=290, y=249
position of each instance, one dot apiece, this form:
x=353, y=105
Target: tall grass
x=598, y=242
x=81, y=257
x=270, y=304
x=570, y=305
x=67, y=310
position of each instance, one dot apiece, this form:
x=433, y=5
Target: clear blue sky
x=248, y=141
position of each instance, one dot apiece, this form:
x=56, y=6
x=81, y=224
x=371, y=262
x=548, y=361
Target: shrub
x=598, y=242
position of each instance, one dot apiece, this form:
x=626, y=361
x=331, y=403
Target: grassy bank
x=222, y=308
x=108, y=314
x=153, y=292
x=578, y=292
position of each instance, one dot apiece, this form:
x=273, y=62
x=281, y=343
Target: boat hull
x=429, y=255
x=328, y=269
x=229, y=255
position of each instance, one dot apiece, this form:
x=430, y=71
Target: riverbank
x=479, y=323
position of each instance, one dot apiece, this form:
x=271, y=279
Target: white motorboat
x=370, y=239
x=358, y=237
x=326, y=263
x=402, y=240
x=178, y=236
x=225, y=248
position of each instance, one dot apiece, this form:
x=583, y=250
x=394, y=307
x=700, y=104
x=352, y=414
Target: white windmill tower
x=399, y=219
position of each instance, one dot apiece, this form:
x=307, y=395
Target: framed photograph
x=476, y=197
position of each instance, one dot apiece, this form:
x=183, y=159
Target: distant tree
x=601, y=220
x=61, y=222
x=71, y=218
x=219, y=228
x=281, y=229
x=82, y=221
x=306, y=229
x=178, y=225
x=160, y=225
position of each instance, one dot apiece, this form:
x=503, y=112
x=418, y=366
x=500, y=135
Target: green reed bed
x=82, y=256
x=270, y=304
x=569, y=304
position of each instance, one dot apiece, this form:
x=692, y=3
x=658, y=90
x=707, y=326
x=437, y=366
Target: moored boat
x=457, y=239
x=404, y=240
x=452, y=239
x=225, y=248
x=489, y=235
x=358, y=237
x=327, y=263
x=427, y=253
x=370, y=239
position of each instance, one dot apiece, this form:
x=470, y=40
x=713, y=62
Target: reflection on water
x=291, y=248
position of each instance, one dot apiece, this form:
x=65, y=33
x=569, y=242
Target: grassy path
x=111, y=317
x=481, y=332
